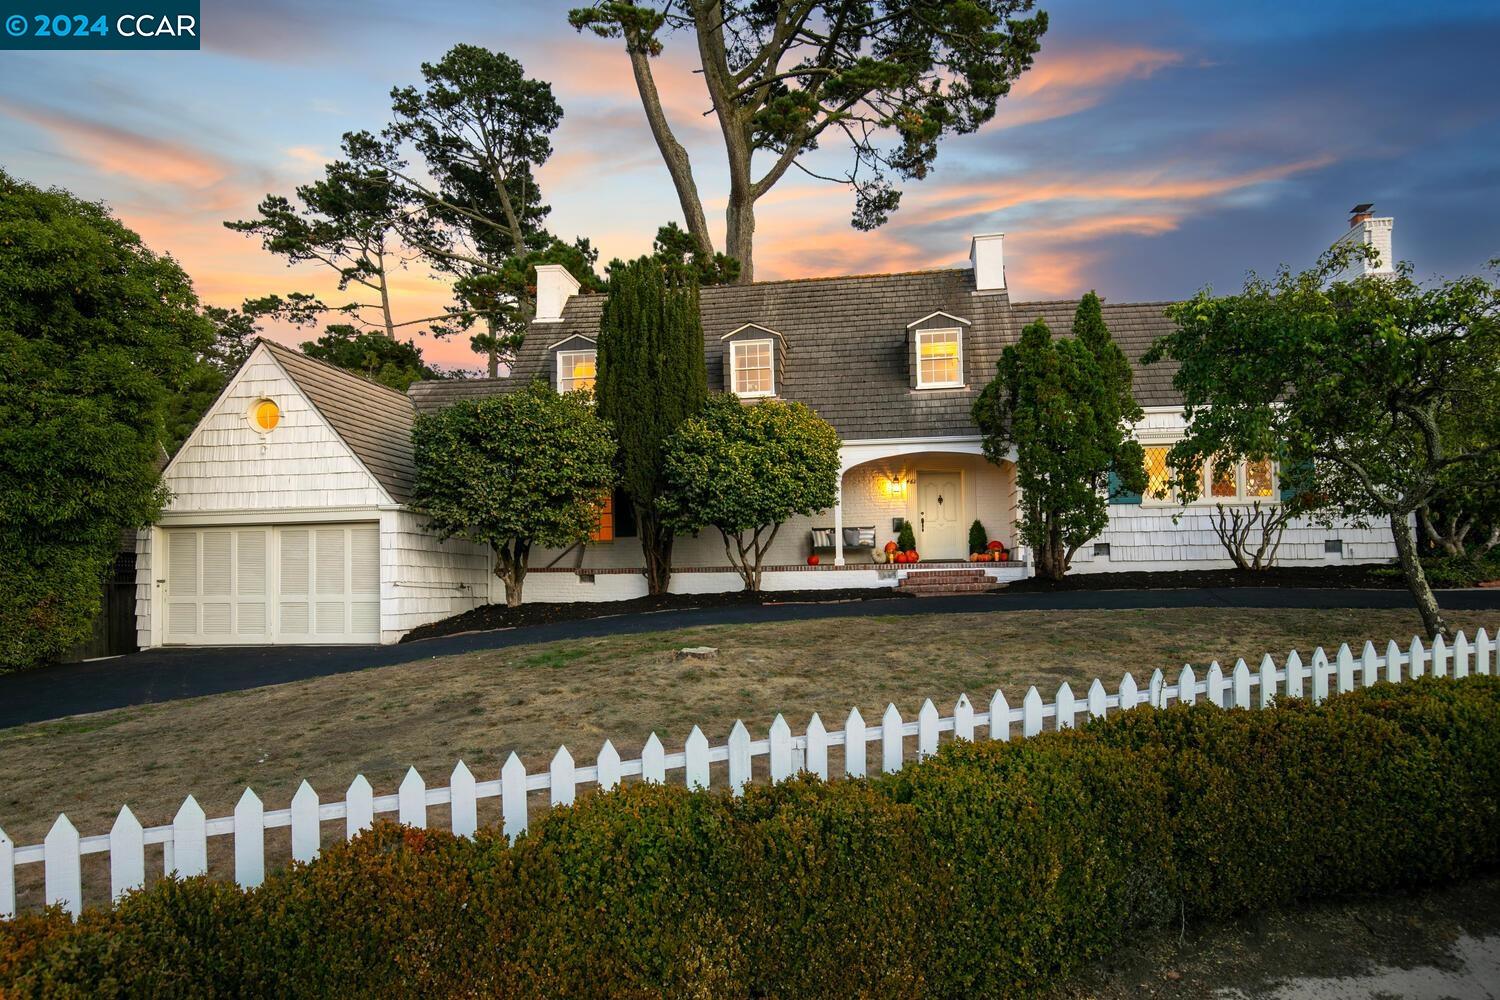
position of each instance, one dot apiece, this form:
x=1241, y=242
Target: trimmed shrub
x=988, y=870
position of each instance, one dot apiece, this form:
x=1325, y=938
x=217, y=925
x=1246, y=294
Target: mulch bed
x=495, y=616
x=1366, y=577
x=498, y=616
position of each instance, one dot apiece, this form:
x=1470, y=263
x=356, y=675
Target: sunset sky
x=1155, y=147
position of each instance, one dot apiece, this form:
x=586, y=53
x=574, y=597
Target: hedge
x=985, y=871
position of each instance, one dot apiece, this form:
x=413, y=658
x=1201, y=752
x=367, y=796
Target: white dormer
x=754, y=359
x=554, y=287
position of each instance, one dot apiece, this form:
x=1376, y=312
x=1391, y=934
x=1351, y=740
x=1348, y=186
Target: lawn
x=481, y=706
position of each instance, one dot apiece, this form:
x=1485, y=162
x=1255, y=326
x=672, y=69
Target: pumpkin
x=812, y=560
x=911, y=555
x=891, y=547
x=996, y=545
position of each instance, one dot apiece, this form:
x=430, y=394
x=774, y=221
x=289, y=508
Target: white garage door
x=284, y=584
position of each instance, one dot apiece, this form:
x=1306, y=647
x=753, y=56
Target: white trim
x=576, y=336
x=254, y=422
x=557, y=360
x=956, y=319
x=958, y=342
x=750, y=326
x=269, y=515
x=734, y=350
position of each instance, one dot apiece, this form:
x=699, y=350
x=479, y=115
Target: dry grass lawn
x=481, y=706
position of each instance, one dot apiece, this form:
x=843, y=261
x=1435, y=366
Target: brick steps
x=940, y=582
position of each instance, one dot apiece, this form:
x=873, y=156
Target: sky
x=1155, y=148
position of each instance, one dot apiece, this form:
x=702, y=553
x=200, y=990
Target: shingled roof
x=373, y=420
x=847, y=348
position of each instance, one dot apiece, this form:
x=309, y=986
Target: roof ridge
x=843, y=277
x=344, y=372
x=1102, y=300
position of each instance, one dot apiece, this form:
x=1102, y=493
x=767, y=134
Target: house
x=288, y=520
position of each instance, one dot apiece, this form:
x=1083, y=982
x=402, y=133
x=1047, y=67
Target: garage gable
x=245, y=455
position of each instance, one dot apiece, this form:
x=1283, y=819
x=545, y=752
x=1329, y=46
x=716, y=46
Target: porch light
x=895, y=487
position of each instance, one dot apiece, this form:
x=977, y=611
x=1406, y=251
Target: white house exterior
x=298, y=533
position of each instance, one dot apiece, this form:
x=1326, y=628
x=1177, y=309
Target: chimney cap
x=1362, y=208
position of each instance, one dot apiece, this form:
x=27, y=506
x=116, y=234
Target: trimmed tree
x=1382, y=391
x=514, y=472
x=97, y=333
x=745, y=470
x=1065, y=408
x=651, y=378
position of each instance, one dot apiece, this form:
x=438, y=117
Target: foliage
x=979, y=539
x=678, y=251
x=512, y=472
x=745, y=470
x=890, y=79
x=1383, y=390
x=906, y=538
x=652, y=377
x=393, y=363
x=96, y=333
x=1065, y=407
x=991, y=869
x=346, y=222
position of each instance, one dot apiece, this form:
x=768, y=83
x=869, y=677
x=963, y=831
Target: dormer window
x=576, y=370
x=939, y=359
x=752, y=368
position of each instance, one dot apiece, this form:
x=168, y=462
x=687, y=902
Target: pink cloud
x=1065, y=82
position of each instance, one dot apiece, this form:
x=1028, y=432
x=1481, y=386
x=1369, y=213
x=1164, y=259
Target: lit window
x=1258, y=479
x=938, y=358
x=606, y=530
x=751, y=362
x=265, y=415
x=576, y=370
x=1158, y=476
x=1222, y=481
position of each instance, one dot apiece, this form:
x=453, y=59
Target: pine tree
x=651, y=378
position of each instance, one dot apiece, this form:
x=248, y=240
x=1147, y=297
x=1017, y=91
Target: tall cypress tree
x=651, y=379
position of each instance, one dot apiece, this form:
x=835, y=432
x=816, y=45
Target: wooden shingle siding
x=426, y=580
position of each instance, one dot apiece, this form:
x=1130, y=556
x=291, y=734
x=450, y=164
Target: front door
x=940, y=527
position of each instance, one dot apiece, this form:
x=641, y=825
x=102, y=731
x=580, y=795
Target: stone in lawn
x=698, y=653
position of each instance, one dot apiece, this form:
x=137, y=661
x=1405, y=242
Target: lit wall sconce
x=895, y=488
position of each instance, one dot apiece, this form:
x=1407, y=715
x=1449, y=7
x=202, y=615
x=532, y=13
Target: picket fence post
x=565, y=786
x=63, y=880
x=7, y=877
x=963, y=719
x=514, y=817
x=890, y=740
x=999, y=717
x=608, y=764
x=1461, y=653
x=854, y=744
x=1241, y=682
x=1369, y=664
x=127, y=854
x=1067, y=707
x=927, y=730
x=1439, y=656
x=1418, y=657
x=739, y=758
x=781, y=749
x=1482, y=652
x=1393, y=662
x=696, y=766
x=1187, y=686
x=1320, y=671
x=411, y=799
x=1129, y=694
x=1031, y=713
x=1294, y=674
x=1097, y=699
x=464, y=804
x=1267, y=681
x=654, y=757
x=307, y=834
x=817, y=747
x=190, y=839
x=359, y=807
x=1215, y=683
x=1157, y=691
x=250, y=840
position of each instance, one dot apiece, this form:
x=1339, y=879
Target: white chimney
x=1366, y=230
x=554, y=287
x=987, y=254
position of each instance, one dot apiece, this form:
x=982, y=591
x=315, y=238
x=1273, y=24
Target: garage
x=272, y=584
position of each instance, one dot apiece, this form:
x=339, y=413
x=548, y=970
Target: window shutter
x=1117, y=493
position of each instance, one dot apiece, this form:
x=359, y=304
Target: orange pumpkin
x=812, y=560
x=911, y=555
x=891, y=547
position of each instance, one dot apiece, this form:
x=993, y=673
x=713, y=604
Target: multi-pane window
x=606, y=530
x=576, y=370
x=1223, y=482
x=938, y=359
x=751, y=361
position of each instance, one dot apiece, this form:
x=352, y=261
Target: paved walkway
x=169, y=674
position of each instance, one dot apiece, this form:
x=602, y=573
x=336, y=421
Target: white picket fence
x=184, y=842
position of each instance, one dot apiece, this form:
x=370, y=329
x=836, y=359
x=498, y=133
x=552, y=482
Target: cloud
x=1065, y=82
x=306, y=156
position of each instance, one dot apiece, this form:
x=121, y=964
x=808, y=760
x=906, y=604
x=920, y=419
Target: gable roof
x=847, y=345
x=373, y=420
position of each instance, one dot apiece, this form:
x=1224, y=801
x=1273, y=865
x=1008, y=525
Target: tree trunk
x=1416, y=579
x=494, y=351
x=656, y=547
x=740, y=235
x=510, y=567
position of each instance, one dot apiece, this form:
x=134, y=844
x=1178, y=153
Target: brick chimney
x=554, y=287
x=1365, y=229
x=987, y=254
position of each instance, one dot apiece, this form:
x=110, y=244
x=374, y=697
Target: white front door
x=284, y=584
x=940, y=526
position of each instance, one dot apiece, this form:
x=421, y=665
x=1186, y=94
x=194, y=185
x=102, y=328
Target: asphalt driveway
x=169, y=674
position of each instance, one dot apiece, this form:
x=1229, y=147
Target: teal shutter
x=1291, y=476
x=1118, y=494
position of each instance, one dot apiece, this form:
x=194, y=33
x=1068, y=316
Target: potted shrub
x=979, y=539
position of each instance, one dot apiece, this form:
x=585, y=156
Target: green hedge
x=986, y=871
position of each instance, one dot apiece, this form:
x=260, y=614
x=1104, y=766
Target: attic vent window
x=939, y=359
x=751, y=364
x=264, y=415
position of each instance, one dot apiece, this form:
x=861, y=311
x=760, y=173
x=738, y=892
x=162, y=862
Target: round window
x=265, y=415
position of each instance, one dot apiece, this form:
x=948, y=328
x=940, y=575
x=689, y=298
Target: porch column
x=838, y=521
